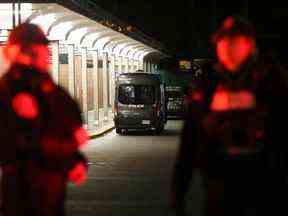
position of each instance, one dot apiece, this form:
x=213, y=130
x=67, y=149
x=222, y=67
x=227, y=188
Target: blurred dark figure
x=233, y=130
x=187, y=99
x=40, y=130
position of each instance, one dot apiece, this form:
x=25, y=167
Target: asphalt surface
x=130, y=175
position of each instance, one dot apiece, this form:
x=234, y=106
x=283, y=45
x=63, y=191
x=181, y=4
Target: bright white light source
x=119, y=47
x=99, y=44
x=76, y=35
x=26, y=6
x=128, y=48
x=88, y=41
x=5, y=6
x=140, y=55
x=59, y=31
x=44, y=21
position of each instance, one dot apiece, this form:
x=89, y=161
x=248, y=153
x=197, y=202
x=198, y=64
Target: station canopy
x=70, y=27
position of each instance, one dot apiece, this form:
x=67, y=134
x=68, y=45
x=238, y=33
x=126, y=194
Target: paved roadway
x=130, y=176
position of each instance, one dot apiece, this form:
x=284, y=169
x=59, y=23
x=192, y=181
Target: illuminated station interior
x=88, y=51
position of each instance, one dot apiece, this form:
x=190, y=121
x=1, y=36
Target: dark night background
x=185, y=26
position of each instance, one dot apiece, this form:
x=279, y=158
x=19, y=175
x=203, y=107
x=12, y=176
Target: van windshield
x=136, y=94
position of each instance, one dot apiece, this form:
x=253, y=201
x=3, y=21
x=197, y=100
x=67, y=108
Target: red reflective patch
x=220, y=101
x=197, y=96
x=37, y=56
x=24, y=59
x=81, y=136
x=232, y=52
x=222, y=53
x=11, y=51
x=243, y=100
x=78, y=174
x=25, y=105
x=228, y=23
x=225, y=100
x=47, y=86
x=52, y=146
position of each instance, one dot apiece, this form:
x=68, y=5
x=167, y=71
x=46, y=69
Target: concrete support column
x=140, y=65
x=71, y=70
x=105, y=85
x=120, y=63
x=112, y=81
x=116, y=66
x=149, y=67
x=136, y=63
x=55, y=60
x=126, y=64
x=95, y=86
x=152, y=68
x=84, y=92
x=144, y=66
x=156, y=68
x=132, y=65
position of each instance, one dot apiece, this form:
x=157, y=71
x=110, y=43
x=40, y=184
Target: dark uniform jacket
x=269, y=84
x=38, y=143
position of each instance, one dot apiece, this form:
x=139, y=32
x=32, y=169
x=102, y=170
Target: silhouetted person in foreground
x=40, y=130
x=233, y=130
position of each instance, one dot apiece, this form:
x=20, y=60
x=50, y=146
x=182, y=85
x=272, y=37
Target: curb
x=93, y=136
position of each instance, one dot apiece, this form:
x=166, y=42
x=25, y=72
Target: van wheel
x=159, y=129
x=118, y=131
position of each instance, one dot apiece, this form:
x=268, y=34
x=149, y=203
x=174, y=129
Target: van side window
x=127, y=94
x=136, y=94
x=146, y=94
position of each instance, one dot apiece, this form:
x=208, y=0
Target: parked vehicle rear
x=139, y=102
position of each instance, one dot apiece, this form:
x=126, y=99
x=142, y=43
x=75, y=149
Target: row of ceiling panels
x=68, y=27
